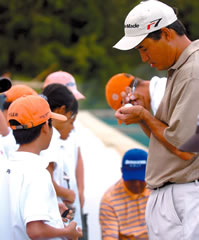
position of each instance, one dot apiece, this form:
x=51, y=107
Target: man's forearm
x=157, y=129
x=145, y=128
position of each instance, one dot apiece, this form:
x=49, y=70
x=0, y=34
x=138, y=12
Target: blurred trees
x=75, y=36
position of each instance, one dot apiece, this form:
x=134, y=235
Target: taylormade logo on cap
x=143, y=19
x=131, y=26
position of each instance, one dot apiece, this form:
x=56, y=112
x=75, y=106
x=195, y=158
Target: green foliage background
x=75, y=36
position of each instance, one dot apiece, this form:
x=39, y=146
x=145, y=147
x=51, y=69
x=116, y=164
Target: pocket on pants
x=172, y=205
x=163, y=222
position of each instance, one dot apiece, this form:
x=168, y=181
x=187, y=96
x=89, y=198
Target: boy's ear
x=45, y=127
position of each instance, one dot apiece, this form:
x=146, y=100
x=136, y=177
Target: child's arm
x=67, y=194
x=3, y=126
x=80, y=177
x=40, y=230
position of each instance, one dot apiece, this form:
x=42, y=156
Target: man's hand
x=130, y=115
x=134, y=98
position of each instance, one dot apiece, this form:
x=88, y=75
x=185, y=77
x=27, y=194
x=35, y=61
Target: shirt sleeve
x=37, y=196
x=108, y=221
x=183, y=120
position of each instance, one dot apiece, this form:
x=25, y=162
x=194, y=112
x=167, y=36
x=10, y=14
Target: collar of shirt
x=27, y=158
x=194, y=46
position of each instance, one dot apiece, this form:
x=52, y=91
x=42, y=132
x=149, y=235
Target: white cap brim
x=127, y=43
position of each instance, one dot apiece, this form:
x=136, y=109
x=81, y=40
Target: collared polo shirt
x=122, y=213
x=178, y=110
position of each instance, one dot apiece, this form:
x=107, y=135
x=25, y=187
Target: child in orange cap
x=11, y=95
x=121, y=85
x=29, y=199
x=15, y=92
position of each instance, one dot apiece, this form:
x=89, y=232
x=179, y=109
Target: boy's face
x=48, y=135
x=135, y=186
x=65, y=127
x=142, y=93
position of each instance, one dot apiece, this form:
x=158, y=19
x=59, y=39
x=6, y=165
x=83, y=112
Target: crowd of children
x=42, y=171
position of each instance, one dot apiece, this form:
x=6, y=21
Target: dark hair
x=59, y=95
x=25, y=136
x=177, y=26
x=139, y=81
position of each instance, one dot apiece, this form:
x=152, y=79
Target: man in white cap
x=153, y=29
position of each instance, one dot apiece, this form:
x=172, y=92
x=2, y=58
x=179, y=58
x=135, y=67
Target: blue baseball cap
x=134, y=164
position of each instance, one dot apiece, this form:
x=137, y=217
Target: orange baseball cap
x=17, y=91
x=115, y=86
x=31, y=111
x=66, y=79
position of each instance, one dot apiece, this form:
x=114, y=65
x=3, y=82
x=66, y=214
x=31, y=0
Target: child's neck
x=29, y=148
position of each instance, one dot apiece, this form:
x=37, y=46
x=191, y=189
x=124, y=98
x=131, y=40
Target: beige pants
x=172, y=212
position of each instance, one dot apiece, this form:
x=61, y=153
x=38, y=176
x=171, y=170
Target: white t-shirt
x=156, y=90
x=28, y=192
x=58, y=153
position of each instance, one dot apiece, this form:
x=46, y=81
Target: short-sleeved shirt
x=178, y=110
x=27, y=195
x=122, y=213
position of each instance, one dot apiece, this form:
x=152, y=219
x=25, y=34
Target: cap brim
x=127, y=43
x=5, y=84
x=57, y=116
x=192, y=145
x=78, y=95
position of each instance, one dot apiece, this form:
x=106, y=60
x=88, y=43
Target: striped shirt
x=122, y=214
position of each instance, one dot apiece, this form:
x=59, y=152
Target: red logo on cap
x=154, y=23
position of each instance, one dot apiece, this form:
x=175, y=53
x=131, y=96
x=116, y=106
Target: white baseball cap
x=146, y=17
